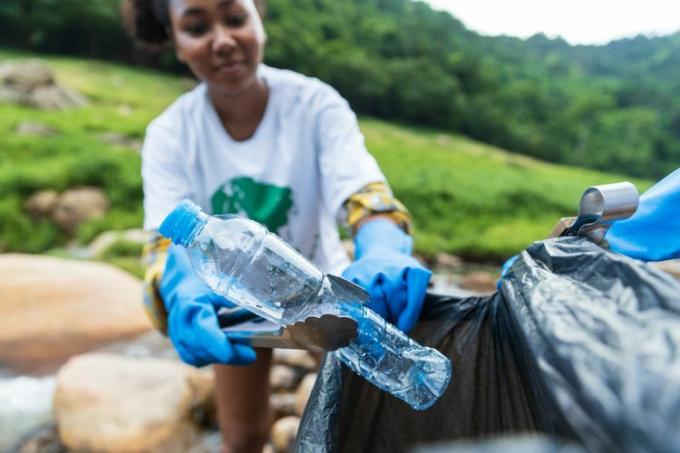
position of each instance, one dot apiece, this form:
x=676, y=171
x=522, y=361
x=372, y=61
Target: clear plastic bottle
x=241, y=260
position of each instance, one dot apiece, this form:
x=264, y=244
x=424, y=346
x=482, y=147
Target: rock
x=26, y=76
x=32, y=83
x=154, y=344
x=42, y=204
x=282, y=404
x=25, y=405
x=35, y=129
x=303, y=392
x=55, y=98
x=78, y=205
x=105, y=402
x=295, y=358
x=283, y=378
x=448, y=262
x=55, y=308
x=72, y=208
x=106, y=240
x=283, y=434
x=671, y=266
x=479, y=282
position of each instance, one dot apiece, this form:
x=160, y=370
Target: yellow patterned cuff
x=372, y=199
x=154, y=256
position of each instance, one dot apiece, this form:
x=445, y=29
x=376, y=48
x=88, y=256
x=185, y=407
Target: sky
x=577, y=21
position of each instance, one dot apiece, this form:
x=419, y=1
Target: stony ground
x=82, y=369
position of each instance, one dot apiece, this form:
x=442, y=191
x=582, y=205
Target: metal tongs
x=599, y=208
x=314, y=333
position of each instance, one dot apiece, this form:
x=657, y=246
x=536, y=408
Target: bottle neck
x=194, y=228
x=184, y=223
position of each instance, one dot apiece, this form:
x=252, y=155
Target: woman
x=280, y=148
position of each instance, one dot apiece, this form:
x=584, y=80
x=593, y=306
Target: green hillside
x=613, y=107
x=467, y=198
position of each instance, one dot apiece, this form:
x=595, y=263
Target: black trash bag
x=580, y=344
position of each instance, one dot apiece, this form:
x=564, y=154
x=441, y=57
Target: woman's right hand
x=192, y=316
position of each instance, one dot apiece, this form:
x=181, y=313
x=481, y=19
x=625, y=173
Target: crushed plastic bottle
x=241, y=260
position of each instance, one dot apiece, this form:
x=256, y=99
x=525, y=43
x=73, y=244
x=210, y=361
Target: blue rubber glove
x=192, y=316
x=653, y=232
x=395, y=280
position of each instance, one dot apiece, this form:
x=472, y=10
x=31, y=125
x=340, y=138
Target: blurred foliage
x=126, y=255
x=70, y=26
x=473, y=199
x=614, y=107
x=122, y=248
x=122, y=100
x=466, y=197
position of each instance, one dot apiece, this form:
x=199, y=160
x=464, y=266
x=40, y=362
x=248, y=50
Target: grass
x=122, y=100
x=473, y=199
x=467, y=198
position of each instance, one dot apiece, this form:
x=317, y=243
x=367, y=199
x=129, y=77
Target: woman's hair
x=148, y=21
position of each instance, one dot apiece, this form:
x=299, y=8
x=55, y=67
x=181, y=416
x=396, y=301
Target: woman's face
x=220, y=40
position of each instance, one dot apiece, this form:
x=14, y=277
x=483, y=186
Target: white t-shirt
x=305, y=159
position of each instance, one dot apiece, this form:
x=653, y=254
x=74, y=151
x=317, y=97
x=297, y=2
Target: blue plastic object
x=653, y=232
x=504, y=270
x=183, y=223
x=396, y=281
x=192, y=316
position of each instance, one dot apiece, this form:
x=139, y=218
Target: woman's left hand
x=396, y=282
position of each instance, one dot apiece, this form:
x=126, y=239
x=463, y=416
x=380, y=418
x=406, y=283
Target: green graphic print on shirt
x=264, y=203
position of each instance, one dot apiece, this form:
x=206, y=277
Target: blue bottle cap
x=183, y=223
